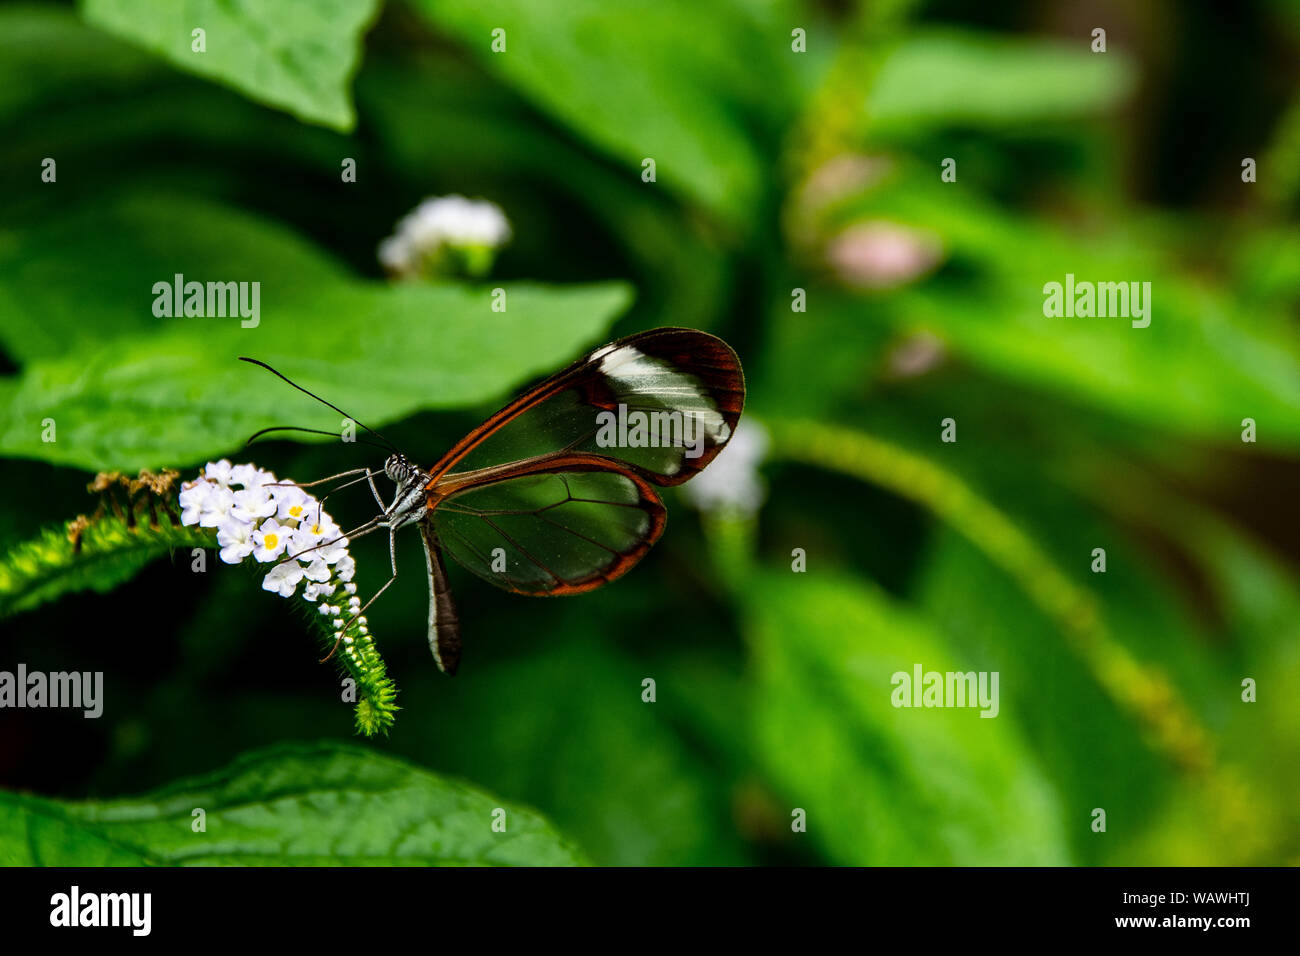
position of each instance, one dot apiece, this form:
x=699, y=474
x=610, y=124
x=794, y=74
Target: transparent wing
x=661, y=404
x=562, y=526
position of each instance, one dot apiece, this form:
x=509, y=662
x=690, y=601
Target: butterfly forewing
x=662, y=403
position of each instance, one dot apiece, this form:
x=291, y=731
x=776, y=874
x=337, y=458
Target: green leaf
x=296, y=55
x=47, y=55
x=1200, y=366
x=884, y=785
x=439, y=119
x=302, y=804
x=671, y=80
x=565, y=745
x=64, y=285
x=946, y=77
x=170, y=390
x=110, y=553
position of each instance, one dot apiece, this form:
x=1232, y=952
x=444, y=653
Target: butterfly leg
x=318, y=481
x=359, y=532
x=368, y=476
x=392, y=558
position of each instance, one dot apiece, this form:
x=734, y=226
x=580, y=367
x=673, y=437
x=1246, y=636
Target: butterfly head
x=398, y=468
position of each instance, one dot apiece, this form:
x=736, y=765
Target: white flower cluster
x=438, y=224
x=254, y=515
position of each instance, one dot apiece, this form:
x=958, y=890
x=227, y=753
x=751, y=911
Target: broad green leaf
x=669, y=80
x=306, y=805
x=65, y=284
x=295, y=55
x=883, y=785
x=128, y=389
x=948, y=77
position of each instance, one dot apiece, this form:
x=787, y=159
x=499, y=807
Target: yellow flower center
x=270, y=540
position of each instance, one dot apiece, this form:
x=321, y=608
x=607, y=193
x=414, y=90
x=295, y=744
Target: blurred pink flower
x=877, y=255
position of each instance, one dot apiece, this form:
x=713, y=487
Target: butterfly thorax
x=409, y=503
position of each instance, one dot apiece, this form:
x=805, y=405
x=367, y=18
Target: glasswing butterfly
x=555, y=493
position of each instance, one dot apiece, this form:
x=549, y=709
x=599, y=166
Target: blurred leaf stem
x=1141, y=690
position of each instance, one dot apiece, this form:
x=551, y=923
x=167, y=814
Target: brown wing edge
x=706, y=356
x=444, y=626
x=650, y=504
x=716, y=365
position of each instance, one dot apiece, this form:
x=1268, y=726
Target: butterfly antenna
x=313, y=431
x=286, y=378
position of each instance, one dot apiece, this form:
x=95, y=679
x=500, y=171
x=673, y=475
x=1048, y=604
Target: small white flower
x=283, y=578
x=246, y=475
x=320, y=539
x=443, y=222
x=218, y=471
x=253, y=504
x=456, y=221
x=317, y=571
x=396, y=255
x=344, y=570
x=193, y=496
x=213, y=504
x=294, y=504
x=236, y=540
x=270, y=540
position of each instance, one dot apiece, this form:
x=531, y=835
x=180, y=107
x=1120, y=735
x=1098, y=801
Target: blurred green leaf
x=439, y=120
x=323, y=804
x=577, y=741
x=296, y=55
x=884, y=785
x=1098, y=763
x=1201, y=366
x=52, y=268
x=949, y=77
x=171, y=391
x=47, y=567
x=670, y=80
x=47, y=55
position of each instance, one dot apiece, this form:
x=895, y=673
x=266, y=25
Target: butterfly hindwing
x=556, y=525
x=444, y=627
